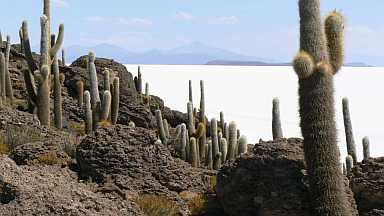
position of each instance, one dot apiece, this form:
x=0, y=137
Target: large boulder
x=52, y=190
x=137, y=163
x=127, y=86
x=367, y=183
x=270, y=180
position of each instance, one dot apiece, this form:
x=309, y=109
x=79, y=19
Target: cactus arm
x=95, y=97
x=88, y=112
x=202, y=102
x=47, y=8
x=43, y=99
x=63, y=57
x=29, y=80
x=106, y=105
x=8, y=81
x=366, y=150
x=232, y=141
x=27, y=48
x=115, y=100
x=191, y=119
x=59, y=42
x=303, y=65
x=2, y=78
x=190, y=92
x=334, y=29
x=160, y=127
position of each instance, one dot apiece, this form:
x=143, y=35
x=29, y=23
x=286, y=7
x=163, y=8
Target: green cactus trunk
x=232, y=144
x=214, y=138
x=224, y=149
x=88, y=112
x=366, y=150
x=190, y=92
x=191, y=119
x=115, y=100
x=166, y=128
x=202, y=102
x=217, y=164
x=63, y=57
x=80, y=92
x=43, y=99
x=277, y=132
x=160, y=127
x=2, y=79
x=8, y=81
x=107, y=83
x=317, y=113
x=243, y=145
x=209, y=157
x=106, y=106
x=193, y=151
x=139, y=81
x=183, y=142
x=58, y=109
x=349, y=162
x=222, y=121
x=351, y=146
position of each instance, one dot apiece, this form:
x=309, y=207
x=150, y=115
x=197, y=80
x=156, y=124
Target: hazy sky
x=262, y=28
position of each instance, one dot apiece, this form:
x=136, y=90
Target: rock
x=139, y=113
x=367, y=183
x=137, y=164
x=127, y=86
x=374, y=212
x=51, y=190
x=270, y=180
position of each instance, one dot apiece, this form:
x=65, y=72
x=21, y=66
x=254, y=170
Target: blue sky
x=261, y=28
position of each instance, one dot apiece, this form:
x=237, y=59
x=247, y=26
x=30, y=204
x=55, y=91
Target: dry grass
x=212, y=184
x=104, y=124
x=198, y=205
x=18, y=135
x=49, y=158
x=4, y=148
x=76, y=127
x=153, y=205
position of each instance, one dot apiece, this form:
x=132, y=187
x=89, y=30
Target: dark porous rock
x=367, y=183
x=374, y=212
x=127, y=86
x=52, y=190
x=137, y=164
x=270, y=180
x=131, y=110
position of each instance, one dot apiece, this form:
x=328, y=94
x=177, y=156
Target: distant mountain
x=259, y=63
x=194, y=54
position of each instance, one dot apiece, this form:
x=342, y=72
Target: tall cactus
x=95, y=97
x=277, y=132
x=366, y=150
x=106, y=105
x=115, y=100
x=232, y=141
x=190, y=92
x=217, y=159
x=166, y=128
x=58, y=107
x=317, y=62
x=193, y=152
x=63, y=57
x=214, y=138
x=43, y=99
x=88, y=112
x=80, y=92
x=8, y=81
x=349, y=162
x=160, y=127
x=107, y=82
x=222, y=121
x=139, y=81
x=351, y=146
x=202, y=102
x=210, y=155
x=243, y=145
x=183, y=142
x=224, y=149
x=2, y=78
x=191, y=119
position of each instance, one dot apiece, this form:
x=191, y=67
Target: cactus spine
x=193, y=152
x=115, y=100
x=106, y=105
x=366, y=150
x=58, y=109
x=232, y=141
x=88, y=112
x=277, y=132
x=80, y=92
x=351, y=146
x=315, y=66
x=160, y=127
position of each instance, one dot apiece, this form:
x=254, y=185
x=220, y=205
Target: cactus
x=222, y=122
x=193, y=152
x=1, y=40
x=106, y=105
x=226, y=131
x=351, y=147
x=202, y=143
x=139, y=86
x=232, y=141
x=95, y=97
x=243, y=145
x=147, y=90
x=21, y=40
x=224, y=149
x=191, y=119
x=183, y=142
x=63, y=57
x=166, y=128
x=190, y=92
x=88, y=112
x=277, y=132
x=8, y=81
x=160, y=127
x=115, y=100
x=217, y=164
x=202, y=102
x=107, y=83
x=209, y=157
x=187, y=148
x=344, y=169
x=366, y=150
x=2, y=79
x=80, y=92
x=214, y=138
x=58, y=107
x=349, y=162
x=315, y=66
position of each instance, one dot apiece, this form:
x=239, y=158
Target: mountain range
x=195, y=53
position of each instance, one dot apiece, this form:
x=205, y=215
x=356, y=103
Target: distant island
x=260, y=63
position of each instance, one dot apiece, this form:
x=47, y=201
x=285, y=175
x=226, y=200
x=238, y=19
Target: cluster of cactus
x=319, y=59
x=203, y=143
x=39, y=92
x=6, y=90
x=97, y=109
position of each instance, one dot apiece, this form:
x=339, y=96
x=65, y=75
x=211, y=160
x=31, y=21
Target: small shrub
x=153, y=205
x=49, y=158
x=198, y=205
x=76, y=127
x=212, y=184
x=19, y=135
x=4, y=148
x=104, y=124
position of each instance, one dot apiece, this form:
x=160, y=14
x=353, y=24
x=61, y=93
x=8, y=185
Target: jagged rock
x=367, y=183
x=137, y=164
x=374, y=212
x=271, y=180
x=51, y=190
x=133, y=110
x=127, y=86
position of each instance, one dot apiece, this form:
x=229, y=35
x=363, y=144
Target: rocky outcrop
x=270, y=180
x=137, y=164
x=367, y=183
x=52, y=190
